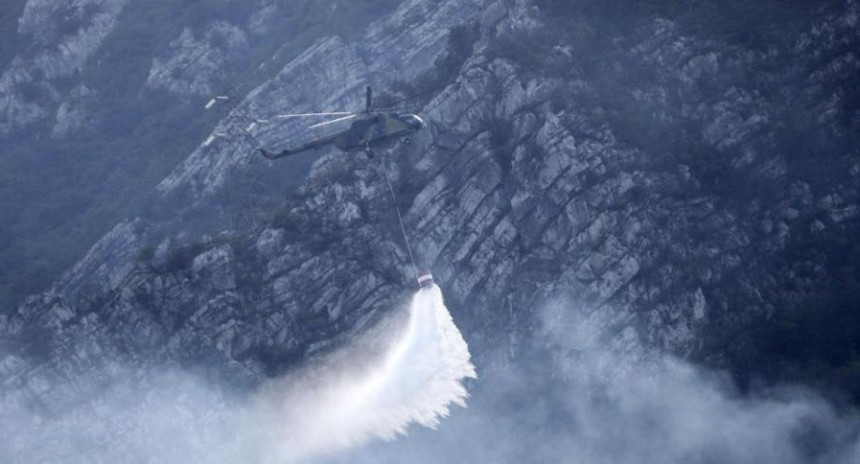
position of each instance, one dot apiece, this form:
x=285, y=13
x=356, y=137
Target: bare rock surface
x=521, y=190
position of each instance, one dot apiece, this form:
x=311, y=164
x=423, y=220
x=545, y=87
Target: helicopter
x=368, y=129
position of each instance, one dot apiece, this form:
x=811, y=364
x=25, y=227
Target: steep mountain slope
x=685, y=188
x=99, y=100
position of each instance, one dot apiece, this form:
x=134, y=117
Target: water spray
x=414, y=382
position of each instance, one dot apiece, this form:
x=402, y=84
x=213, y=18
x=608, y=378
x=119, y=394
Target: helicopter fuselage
x=368, y=129
x=373, y=129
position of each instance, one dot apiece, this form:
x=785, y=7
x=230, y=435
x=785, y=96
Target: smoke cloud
x=586, y=392
x=579, y=390
x=403, y=371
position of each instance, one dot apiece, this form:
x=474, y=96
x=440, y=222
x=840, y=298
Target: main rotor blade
x=331, y=122
x=394, y=108
x=303, y=115
x=214, y=100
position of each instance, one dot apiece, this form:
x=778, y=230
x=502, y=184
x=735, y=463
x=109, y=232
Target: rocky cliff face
x=676, y=188
x=113, y=91
x=60, y=48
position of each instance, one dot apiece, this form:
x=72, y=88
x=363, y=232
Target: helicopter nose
x=417, y=122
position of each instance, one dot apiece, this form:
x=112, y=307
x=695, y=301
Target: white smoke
x=587, y=392
x=582, y=390
x=407, y=369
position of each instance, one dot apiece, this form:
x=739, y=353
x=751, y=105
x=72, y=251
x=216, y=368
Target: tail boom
x=313, y=145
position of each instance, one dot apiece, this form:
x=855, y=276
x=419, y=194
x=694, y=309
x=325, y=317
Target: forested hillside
x=109, y=129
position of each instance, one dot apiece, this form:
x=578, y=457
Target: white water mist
x=406, y=369
x=345, y=401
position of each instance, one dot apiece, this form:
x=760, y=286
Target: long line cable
x=399, y=217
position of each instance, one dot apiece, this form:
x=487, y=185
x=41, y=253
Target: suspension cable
x=399, y=217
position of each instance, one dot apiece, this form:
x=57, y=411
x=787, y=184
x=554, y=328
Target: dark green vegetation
x=731, y=21
x=812, y=332
x=815, y=337
x=57, y=196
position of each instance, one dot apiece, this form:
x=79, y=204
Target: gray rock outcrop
x=663, y=206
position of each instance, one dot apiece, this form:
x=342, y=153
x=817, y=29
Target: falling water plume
x=345, y=401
